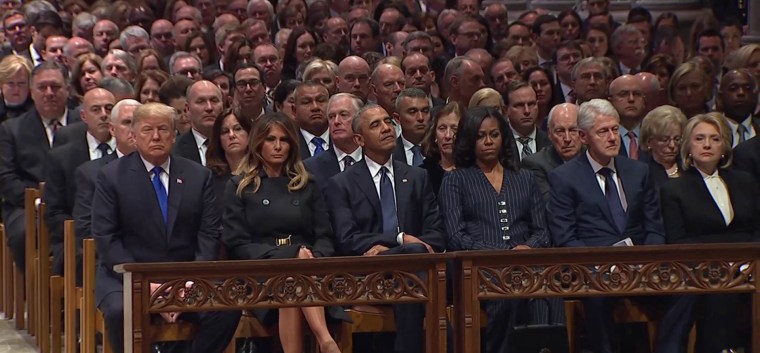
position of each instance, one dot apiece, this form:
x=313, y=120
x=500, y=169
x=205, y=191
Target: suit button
x=506, y=237
x=265, y=202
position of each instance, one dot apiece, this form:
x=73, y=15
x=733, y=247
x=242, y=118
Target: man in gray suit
x=566, y=144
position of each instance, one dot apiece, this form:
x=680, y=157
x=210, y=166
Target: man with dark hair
x=24, y=144
x=412, y=112
x=546, y=36
x=365, y=36
x=518, y=33
x=418, y=41
x=419, y=74
x=629, y=47
x=568, y=54
x=738, y=98
x=710, y=45
x=249, y=92
x=463, y=77
x=522, y=114
x=44, y=25
x=310, y=109
x=173, y=93
x=465, y=35
x=18, y=34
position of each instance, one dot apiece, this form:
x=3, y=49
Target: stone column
x=753, y=22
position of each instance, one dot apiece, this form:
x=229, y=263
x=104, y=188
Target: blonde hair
x=655, y=122
x=252, y=164
x=719, y=122
x=318, y=65
x=517, y=52
x=483, y=94
x=11, y=64
x=683, y=70
x=154, y=109
x=739, y=58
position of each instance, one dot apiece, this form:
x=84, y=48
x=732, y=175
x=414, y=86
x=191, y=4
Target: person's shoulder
x=748, y=147
x=189, y=165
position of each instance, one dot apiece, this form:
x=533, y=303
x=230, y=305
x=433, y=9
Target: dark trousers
x=15, y=232
x=215, y=329
x=410, y=318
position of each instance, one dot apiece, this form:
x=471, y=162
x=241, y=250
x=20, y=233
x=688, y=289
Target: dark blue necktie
x=348, y=161
x=416, y=156
x=613, y=198
x=388, y=203
x=317, y=142
x=104, y=149
x=163, y=198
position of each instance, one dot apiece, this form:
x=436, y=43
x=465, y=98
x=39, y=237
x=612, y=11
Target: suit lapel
x=542, y=140
x=34, y=131
x=629, y=188
x=175, y=195
x=331, y=162
x=554, y=158
x=399, y=154
x=367, y=185
x=593, y=189
x=403, y=191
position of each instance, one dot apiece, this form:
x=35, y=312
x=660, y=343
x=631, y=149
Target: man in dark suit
x=738, y=99
x=589, y=80
x=17, y=32
x=747, y=157
x=381, y=206
x=599, y=199
x=627, y=96
x=629, y=47
x=568, y=54
x=522, y=113
x=62, y=162
x=24, y=144
x=566, y=144
x=204, y=105
x=151, y=207
x=310, y=109
x=413, y=114
x=120, y=127
x=345, y=152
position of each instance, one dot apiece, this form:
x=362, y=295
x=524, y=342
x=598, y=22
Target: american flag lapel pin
x=404, y=180
x=179, y=181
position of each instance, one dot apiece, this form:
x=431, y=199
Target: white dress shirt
x=719, y=193
x=308, y=137
x=356, y=155
x=164, y=175
x=748, y=134
x=49, y=128
x=602, y=182
x=374, y=171
x=520, y=146
x=93, y=143
x=202, y=148
x=408, y=154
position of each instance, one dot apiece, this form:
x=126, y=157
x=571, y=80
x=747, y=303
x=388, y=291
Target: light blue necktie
x=163, y=198
x=416, y=156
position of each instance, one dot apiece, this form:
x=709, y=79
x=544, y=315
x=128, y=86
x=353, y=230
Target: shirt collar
x=308, y=136
x=624, y=131
x=149, y=166
x=532, y=134
x=356, y=154
x=596, y=166
x=374, y=167
x=407, y=145
x=93, y=143
x=61, y=119
x=708, y=176
x=199, y=138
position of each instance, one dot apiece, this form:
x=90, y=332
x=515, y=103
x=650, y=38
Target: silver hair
x=268, y=4
x=617, y=36
x=132, y=32
x=117, y=86
x=411, y=92
x=222, y=33
x=454, y=67
x=586, y=62
x=84, y=21
x=181, y=55
x=34, y=8
x=356, y=102
x=317, y=65
x=588, y=112
x=487, y=3
x=444, y=13
x=195, y=13
x=121, y=104
x=414, y=36
x=123, y=56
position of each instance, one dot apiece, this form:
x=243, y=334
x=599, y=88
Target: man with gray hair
x=119, y=63
x=119, y=87
x=589, y=81
x=186, y=64
x=345, y=152
x=562, y=128
x=75, y=47
x=261, y=10
x=602, y=180
x=386, y=83
x=418, y=41
x=82, y=25
x=103, y=33
x=412, y=112
x=134, y=39
x=120, y=126
x=463, y=78
x=629, y=46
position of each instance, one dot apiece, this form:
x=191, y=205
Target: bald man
x=204, y=105
x=386, y=83
x=628, y=99
x=60, y=184
x=353, y=77
x=562, y=127
x=654, y=95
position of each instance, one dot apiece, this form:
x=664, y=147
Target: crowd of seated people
x=169, y=130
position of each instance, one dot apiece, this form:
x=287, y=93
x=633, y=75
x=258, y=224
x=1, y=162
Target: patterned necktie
x=388, y=203
x=742, y=131
x=163, y=198
x=571, y=97
x=416, y=156
x=525, y=142
x=633, y=146
x=613, y=198
x=318, y=142
x=348, y=161
x=104, y=149
x=54, y=125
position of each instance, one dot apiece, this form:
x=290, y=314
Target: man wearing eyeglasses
x=248, y=96
x=628, y=99
x=162, y=38
x=24, y=144
x=17, y=35
x=186, y=64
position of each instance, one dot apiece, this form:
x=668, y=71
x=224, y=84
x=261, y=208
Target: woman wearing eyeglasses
x=660, y=135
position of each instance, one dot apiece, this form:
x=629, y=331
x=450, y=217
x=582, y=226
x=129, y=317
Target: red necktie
x=633, y=147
